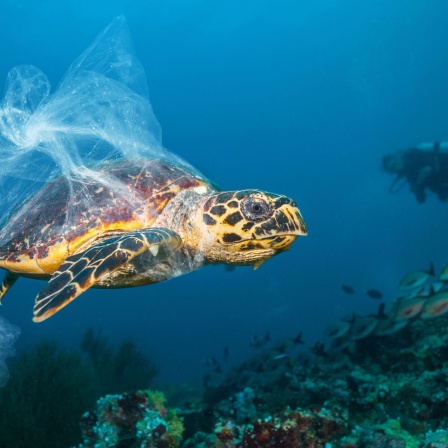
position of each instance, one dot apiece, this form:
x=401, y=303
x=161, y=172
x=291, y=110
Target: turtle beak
x=279, y=232
x=296, y=220
x=286, y=223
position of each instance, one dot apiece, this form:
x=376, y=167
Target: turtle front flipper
x=8, y=280
x=83, y=270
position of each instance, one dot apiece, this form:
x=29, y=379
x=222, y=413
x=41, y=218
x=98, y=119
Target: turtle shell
x=72, y=211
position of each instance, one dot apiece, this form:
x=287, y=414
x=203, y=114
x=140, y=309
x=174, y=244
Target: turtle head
x=250, y=226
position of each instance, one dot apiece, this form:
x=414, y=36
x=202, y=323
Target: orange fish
x=416, y=279
x=426, y=290
x=362, y=327
x=435, y=306
x=338, y=329
x=407, y=309
x=444, y=274
x=390, y=326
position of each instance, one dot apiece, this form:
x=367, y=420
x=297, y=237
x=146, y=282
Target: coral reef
x=287, y=429
x=388, y=435
x=135, y=419
x=387, y=391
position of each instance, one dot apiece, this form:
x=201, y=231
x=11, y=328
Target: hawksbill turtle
x=167, y=220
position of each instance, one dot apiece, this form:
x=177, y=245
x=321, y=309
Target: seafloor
x=377, y=392
x=359, y=390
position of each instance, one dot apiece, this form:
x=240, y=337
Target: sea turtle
x=150, y=220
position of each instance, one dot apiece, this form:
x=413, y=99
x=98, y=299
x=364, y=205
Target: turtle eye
x=255, y=209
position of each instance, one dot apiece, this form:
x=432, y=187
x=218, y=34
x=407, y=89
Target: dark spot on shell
x=233, y=218
x=281, y=201
x=282, y=219
x=42, y=251
x=218, y=210
x=188, y=182
x=266, y=227
x=209, y=203
x=242, y=194
x=208, y=219
x=231, y=237
x=248, y=226
x=224, y=198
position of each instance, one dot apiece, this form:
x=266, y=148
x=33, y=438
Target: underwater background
x=296, y=97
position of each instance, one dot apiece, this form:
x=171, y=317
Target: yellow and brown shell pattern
x=66, y=214
x=75, y=231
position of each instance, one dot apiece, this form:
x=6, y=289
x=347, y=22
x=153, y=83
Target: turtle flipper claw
x=83, y=270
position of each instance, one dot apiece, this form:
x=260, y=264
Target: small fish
x=347, y=289
x=435, y=306
x=390, y=326
x=409, y=308
x=374, y=294
x=285, y=346
x=416, y=279
x=298, y=339
x=337, y=329
x=259, y=341
x=281, y=350
x=444, y=274
x=425, y=291
x=363, y=326
x=339, y=344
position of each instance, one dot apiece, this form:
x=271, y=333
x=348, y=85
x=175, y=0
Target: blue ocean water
x=294, y=97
